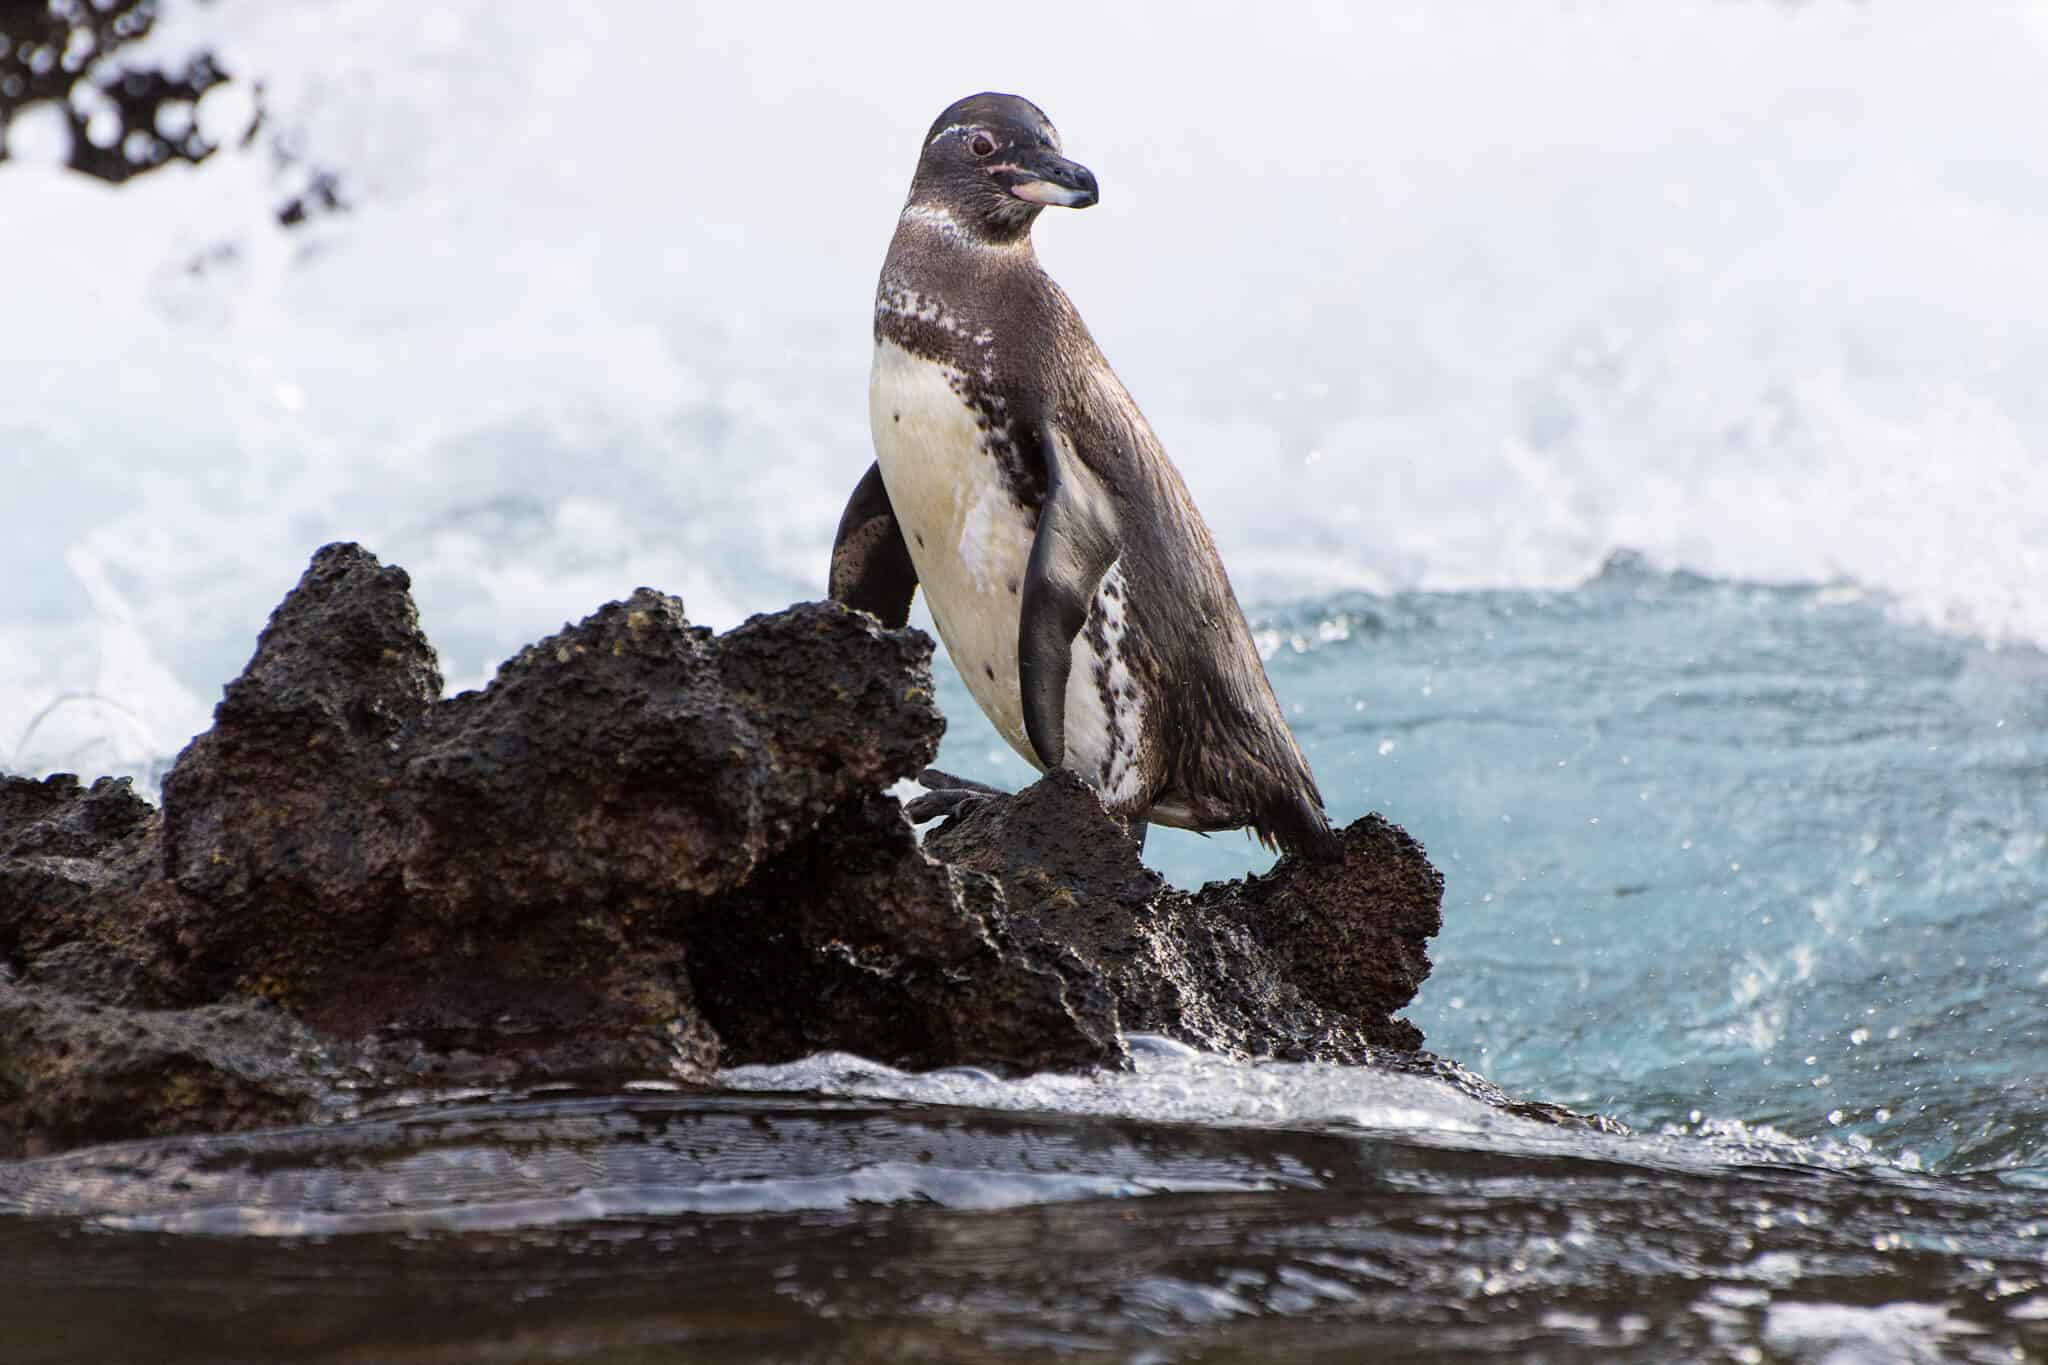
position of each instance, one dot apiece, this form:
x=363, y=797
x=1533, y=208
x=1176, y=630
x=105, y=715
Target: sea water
x=1709, y=848
x=1623, y=425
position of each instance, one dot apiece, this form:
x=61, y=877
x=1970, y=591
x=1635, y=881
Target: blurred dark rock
x=641, y=851
x=129, y=114
x=47, y=50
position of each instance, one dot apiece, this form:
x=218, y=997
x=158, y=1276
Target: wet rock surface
x=858, y=942
x=1310, y=961
x=75, y=1071
x=644, y=850
x=499, y=884
x=83, y=905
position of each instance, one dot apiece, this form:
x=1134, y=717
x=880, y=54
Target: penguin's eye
x=981, y=144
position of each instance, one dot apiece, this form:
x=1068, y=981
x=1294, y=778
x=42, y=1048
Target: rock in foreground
x=643, y=850
x=1307, y=962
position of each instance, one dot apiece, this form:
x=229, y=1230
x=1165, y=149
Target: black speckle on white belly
x=1105, y=711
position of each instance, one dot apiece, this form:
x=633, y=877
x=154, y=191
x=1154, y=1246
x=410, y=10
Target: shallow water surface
x=1193, y=1210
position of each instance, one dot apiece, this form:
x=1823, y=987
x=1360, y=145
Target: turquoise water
x=1713, y=851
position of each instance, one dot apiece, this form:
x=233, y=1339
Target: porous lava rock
x=434, y=879
x=1310, y=961
x=858, y=942
x=83, y=905
x=73, y=1070
x=643, y=850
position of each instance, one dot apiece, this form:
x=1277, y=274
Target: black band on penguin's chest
x=981, y=349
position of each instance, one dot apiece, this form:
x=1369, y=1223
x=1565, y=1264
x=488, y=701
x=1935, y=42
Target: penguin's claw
x=934, y=805
x=947, y=795
x=938, y=780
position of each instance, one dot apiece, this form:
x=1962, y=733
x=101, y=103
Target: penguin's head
x=992, y=162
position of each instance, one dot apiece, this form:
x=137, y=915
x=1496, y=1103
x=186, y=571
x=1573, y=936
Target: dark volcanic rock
x=281, y=817
x=72, y=1071
x=635, y=755
x=1352, y=937
x=856, y=941
x=1310, y=961
x=498, y=884
x=644, y=849
x=82, y=905
x=59, y=817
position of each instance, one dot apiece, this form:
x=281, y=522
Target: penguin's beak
x=1052, y=180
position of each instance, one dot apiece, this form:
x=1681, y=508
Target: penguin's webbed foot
x=947, y=795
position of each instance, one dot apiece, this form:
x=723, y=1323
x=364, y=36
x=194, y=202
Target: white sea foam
x=1171, y=1083
x=1416, y=298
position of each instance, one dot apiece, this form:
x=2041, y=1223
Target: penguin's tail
x=1296, y=824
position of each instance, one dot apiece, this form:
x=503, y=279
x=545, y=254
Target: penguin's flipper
x=871, y=566
x=1076, y=543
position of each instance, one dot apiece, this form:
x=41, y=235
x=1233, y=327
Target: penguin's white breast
x=969, y=539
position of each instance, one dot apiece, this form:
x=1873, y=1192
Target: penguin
x=1076, y=587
